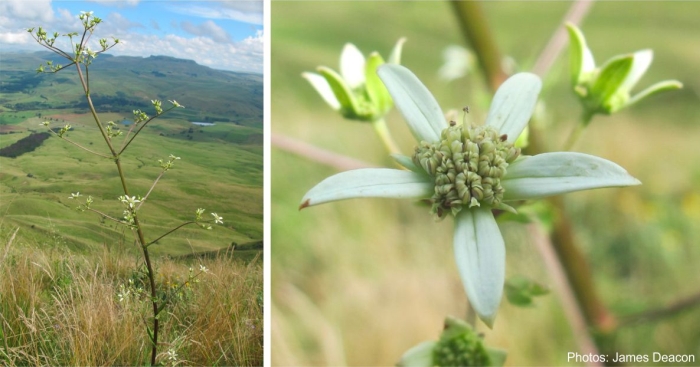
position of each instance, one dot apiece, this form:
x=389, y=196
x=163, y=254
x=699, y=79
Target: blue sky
x=224, y=35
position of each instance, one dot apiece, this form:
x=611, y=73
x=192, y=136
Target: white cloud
x=211, y=45
x=242, y=11
x=245, y=55
x=22, y=10
x=17, y=15
x=16, y=38
x=115, y=22
x=207, y=29
x=118, y=3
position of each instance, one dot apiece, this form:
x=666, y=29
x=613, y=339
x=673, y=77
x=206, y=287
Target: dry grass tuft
x=60, y=309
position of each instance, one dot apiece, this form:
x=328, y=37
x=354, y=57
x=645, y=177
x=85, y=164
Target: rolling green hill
x=221, y=167
x=124, y=83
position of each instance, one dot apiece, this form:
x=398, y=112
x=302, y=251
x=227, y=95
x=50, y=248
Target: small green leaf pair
x=607, y=89
x=356, y=92
x=520, y=291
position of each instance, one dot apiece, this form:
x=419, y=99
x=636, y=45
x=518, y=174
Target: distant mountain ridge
x=129, y=82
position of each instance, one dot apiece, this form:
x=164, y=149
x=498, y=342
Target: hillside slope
x=124, y=83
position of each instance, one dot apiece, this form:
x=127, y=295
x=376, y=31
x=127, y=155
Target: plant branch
x=589, y=307
x=167, y=295
x=86, y=88
x=80, y=146
x=123, y=148
x=170, y=231
x=149, y=190
x=568, y=300
x=663, y=312
x=476, y=30
x=381, y=129
x=51, y=48
x=106, y=216
x=577, y=130
x=316, y=154
x=575, y=15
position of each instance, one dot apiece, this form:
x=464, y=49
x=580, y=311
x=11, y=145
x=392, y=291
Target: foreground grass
x=60, y=309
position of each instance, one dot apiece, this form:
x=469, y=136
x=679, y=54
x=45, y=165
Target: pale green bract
x=608, y=88
x=478, y=244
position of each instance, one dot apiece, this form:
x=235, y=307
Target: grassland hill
x=125, y=83
x=221, y=168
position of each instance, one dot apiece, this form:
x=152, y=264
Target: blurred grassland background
x=359, y=282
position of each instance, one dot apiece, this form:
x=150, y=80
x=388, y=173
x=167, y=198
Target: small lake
x=204, y=123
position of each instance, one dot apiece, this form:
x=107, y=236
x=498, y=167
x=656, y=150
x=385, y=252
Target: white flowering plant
x=81, y=56
x=480, y=176
x=468, y=171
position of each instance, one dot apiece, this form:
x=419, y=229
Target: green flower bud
x=459, y=345
x=607, y=89
x=467, y=165
x=356, y=92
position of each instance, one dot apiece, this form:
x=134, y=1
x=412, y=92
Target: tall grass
x=60, y=309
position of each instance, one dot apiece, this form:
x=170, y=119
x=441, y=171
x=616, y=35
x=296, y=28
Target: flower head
x=467, y=171
x=459, y=345
x=357, y=93
x=608, y=88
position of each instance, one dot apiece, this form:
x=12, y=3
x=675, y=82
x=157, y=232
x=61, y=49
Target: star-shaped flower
x=466, y=171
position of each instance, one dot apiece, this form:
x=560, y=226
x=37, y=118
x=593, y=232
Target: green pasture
x=360, y=282
x=218, y=171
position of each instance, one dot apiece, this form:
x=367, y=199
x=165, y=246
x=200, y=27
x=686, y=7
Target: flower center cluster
x=467, y=165
x=463, y=349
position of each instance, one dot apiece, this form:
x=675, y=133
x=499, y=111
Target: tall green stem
x=476, y=30
x=601, y=322
x=139, y=230
x=578, y=129
x=383, y=132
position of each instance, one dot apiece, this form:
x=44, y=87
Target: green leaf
x=395, y=57
x=349, y=105
x=369, y=182
x=323, y=88
x=150, y=334
x=659, y=87
x=611, y=78
x=520, y=290
x=419, y=356
x=377, y=92
x=497, y=356
x=580, y=57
